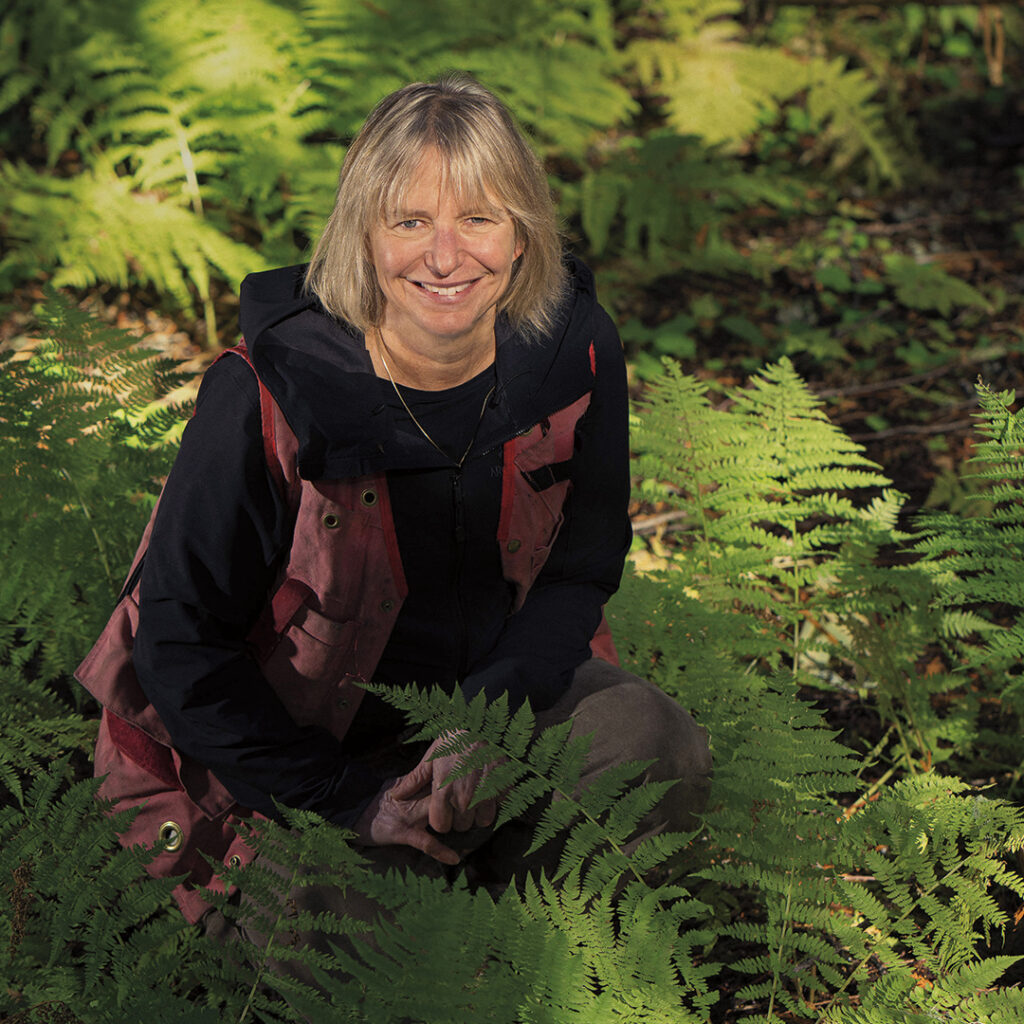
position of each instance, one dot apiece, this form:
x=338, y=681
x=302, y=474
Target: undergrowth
x=829, y=881
x=180, y=144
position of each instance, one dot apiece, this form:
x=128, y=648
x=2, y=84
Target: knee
x=635, y=721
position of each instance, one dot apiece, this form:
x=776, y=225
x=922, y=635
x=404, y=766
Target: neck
x=436, y=370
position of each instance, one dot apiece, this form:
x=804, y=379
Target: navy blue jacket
x=223, y=529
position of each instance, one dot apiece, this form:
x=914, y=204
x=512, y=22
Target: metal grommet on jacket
x=234, y=861
x=514, y=545
x=330, y=520
x=171, y=835
x=368, y=497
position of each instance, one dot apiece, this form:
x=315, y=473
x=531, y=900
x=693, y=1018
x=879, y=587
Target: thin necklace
x=412, y=415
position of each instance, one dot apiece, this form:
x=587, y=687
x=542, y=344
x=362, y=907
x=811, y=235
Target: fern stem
x=922, y=743
x=189, y=166
x=196, y=199
x=798, y=617
x=869, y=758
x=477, y=737
x=583, y=812
x=870, y=792
x=704, y=519
x=210, y=317
x=907, y=755
x=262, y=968
x=100, y=546
x=777, y=969
x=611, y=842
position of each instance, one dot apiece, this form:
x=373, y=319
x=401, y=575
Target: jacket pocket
x=312, y=669
x=539, y=519
x=553, y=440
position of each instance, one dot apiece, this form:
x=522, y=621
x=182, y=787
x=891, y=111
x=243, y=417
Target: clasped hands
x=402, y=810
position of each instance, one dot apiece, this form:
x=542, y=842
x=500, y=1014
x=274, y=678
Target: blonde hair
x=484, y=155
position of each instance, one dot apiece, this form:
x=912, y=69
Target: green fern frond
x=85, y=927
x=770, y=491
x=537, y=56
x=722, y=90
x=932, y=852
x=78, y=473
x=691, y=193
x=927, y=286
x=530, y=767
x=842, y=107
x=716, y=88
x=36, y=729
x=975, y=561
x=437, y=952
x=94, y=228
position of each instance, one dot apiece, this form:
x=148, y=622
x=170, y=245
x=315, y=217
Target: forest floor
x=899, y=381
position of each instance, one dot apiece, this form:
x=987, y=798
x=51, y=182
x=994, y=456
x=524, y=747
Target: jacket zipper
x=459, y=522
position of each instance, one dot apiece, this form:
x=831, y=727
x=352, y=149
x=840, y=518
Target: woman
x=425, y=480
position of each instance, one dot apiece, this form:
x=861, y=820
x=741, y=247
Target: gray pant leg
x=630, y=719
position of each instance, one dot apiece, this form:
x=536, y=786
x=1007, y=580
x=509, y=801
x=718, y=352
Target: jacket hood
x=321, y=376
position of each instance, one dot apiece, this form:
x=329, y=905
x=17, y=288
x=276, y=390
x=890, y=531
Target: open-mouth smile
x=445, y=291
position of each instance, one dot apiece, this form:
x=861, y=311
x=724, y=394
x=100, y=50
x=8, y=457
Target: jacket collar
x=321, y=376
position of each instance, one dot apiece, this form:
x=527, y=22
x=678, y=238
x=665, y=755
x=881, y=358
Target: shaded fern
x=84, y=928
x=977, y=560
x=526, y=769
x=82, y=443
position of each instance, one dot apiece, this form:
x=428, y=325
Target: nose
x=442, y=256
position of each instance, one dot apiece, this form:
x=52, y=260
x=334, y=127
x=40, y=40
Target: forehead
x=430, y=178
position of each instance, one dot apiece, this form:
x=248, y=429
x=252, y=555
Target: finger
x=411, y=783
x=440, y=812
x=433, y=847
x=486, y=811
x=443, y=768
x=463, y=821
x=422, y=840
x=460, y=799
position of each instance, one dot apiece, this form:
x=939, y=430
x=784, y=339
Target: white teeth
x=436, y=290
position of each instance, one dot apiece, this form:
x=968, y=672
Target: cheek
x=387, y=262
x=389, y=257
x=504, y=254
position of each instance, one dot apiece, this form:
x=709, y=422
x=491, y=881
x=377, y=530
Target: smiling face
x=443, y=264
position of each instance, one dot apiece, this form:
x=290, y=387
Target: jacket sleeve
x=219, y=534
x=549, y=637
